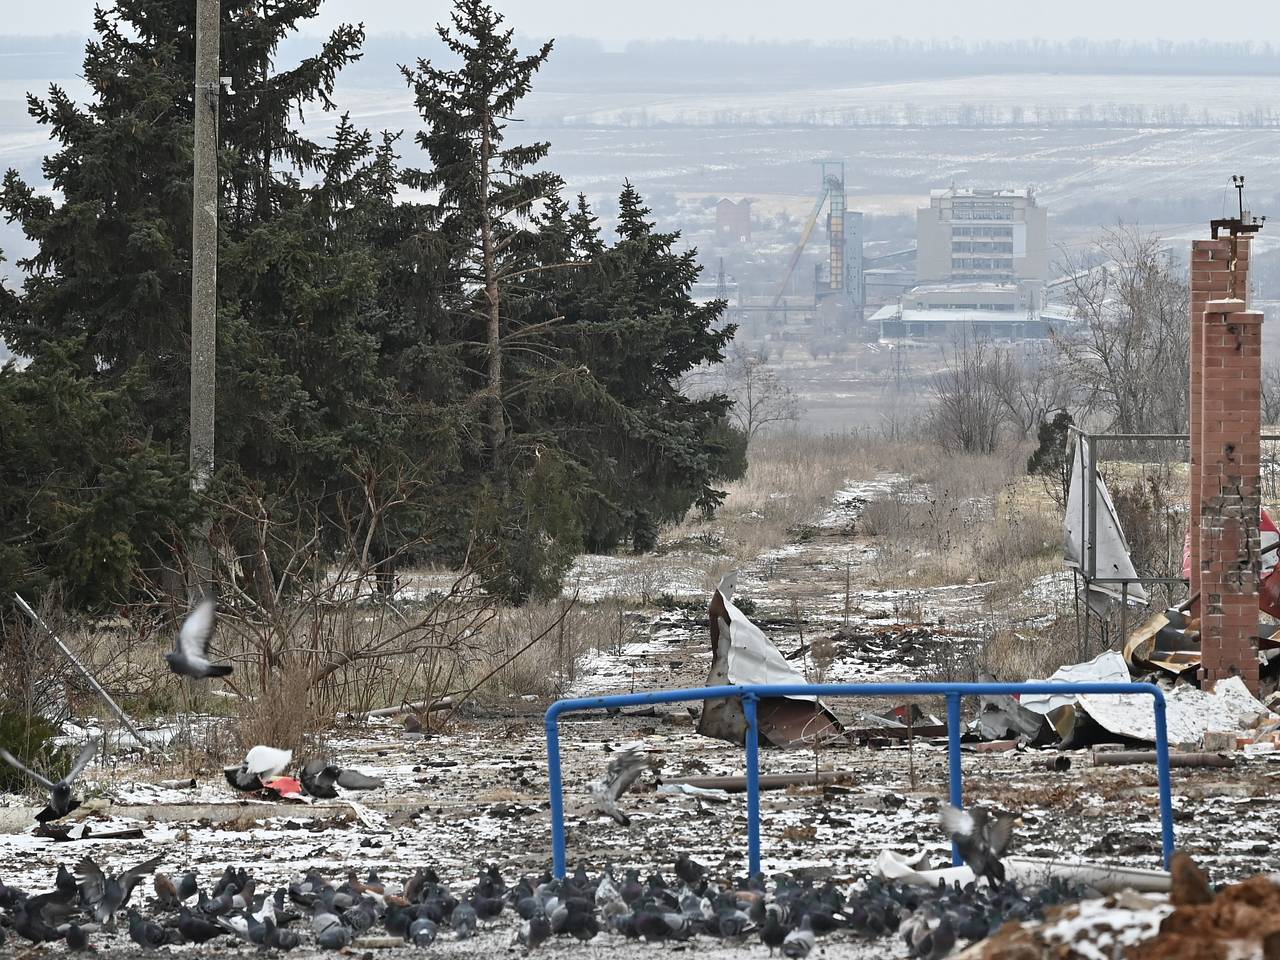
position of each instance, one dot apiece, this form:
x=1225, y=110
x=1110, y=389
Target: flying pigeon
x=60, y=800
x=190, y=652
x=622, y=772
x=102, y=895
x=260, y=763
x=980, y=839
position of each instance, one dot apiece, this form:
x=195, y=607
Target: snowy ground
x=479, y=793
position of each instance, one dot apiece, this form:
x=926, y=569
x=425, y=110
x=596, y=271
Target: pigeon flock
x=786, y=915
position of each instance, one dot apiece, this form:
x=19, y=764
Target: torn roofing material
x=742, y=654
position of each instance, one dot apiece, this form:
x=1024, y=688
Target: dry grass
x=790, y=480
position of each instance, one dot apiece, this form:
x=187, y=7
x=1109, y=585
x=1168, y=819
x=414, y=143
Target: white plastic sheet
x=1112, y=551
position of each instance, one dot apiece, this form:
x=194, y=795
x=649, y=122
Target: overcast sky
x=615, y=22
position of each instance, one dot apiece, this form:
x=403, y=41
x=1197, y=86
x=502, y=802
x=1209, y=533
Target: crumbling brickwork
x=1219, y=270
x=1226, y=472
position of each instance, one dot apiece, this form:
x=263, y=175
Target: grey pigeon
x=422, y=932
x=622, y=772
x=980, y=839
x=318, y=779
x=534, y=931
x=103, y=896
x=77, y=939
x=279, y=938
x=799, y=942
x=144, y=933
x=60, y=800
x=464, y=921
x=355, y=780
x=191, y=647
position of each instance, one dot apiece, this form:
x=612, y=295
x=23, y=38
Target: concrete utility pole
x=204, y=271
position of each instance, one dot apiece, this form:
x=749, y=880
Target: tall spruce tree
x=487, y=189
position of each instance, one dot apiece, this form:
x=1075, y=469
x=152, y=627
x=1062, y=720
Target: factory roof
x=1025, y=193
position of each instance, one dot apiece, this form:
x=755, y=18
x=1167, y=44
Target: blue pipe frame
x=750, y=695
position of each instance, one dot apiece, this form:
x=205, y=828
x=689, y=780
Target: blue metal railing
x=751, y=694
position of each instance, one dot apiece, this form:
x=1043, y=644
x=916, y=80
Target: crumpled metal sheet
x=1190, y=713
x=748, y=657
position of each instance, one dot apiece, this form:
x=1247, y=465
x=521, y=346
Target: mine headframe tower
x=838, y=279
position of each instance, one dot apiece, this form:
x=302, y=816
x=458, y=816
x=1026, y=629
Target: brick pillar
x=1231, y=422
x=1219, y=269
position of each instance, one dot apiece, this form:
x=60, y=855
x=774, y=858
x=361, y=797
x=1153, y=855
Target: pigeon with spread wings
x=622, y=772
x=60, y=800
x=190, y=656
x=981, y=839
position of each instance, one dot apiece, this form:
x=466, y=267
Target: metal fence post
x=749, y=702
x=556, y=788
x=953, y=758
x=1162, y=774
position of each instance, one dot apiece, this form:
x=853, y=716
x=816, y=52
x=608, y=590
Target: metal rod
x=1120, y=758
x=84, y=671
x=753, y=784
x=953, y=759
x=1092, y=468
x=1124, y=612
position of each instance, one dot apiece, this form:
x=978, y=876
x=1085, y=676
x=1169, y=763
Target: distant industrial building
x=999, y=311
x=733, y=220
x=982, y=257
x=984, y=235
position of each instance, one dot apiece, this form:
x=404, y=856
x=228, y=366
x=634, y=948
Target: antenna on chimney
x=1243, y=224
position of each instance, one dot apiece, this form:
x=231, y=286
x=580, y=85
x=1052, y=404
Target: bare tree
x=966, y=411
x=759, y=397
x=1130, y=345
x=1271, y=393
x=1031, y=387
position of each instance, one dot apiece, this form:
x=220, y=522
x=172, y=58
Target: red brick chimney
x=1226, y=422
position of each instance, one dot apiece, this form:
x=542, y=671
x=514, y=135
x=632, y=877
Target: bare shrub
x=760, y=398
x=967, y=411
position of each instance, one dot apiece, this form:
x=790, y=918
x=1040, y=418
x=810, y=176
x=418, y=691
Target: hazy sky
x=615, y=22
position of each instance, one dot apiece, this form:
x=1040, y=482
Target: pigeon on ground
x=60, y=800
x=622, y=772
x=772, y=932
x=318, y=779
x=197, y=929
x=190, y=649
x=77, y=939
x=799, y=942
x=422, y=932
x=279, y=938
x=101, y=895
x=980, y=839
x=144, y=933
x=260, y=763
x=534, y=931
x=689, y=871
x=355, y=780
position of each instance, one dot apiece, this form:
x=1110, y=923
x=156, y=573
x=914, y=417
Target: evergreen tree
x=487, y=190
x=651, y=451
